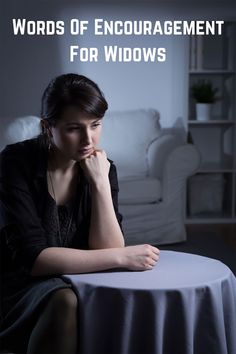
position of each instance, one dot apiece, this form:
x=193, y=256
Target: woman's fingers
x=155, y=258
x=155, y=255
x=155, y=250
x=140, y=257
x=99, y=154
x=96, y=166
x=99, y=151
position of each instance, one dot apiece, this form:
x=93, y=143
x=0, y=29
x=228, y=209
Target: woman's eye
x=94, y=126
x=71, y=129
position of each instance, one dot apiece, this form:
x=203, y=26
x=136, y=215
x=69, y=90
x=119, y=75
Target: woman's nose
x=86, y=137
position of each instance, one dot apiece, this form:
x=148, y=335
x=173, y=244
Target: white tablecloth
x=185, y=305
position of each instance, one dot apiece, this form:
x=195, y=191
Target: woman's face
x=76, y=134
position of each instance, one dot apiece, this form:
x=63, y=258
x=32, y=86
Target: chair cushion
x=126, y=137
x=139, y=191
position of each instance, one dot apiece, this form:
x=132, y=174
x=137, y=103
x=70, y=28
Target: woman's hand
x=140, y=257
x=96, y=167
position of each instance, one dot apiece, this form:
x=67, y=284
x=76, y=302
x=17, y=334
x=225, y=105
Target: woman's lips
x=85, y=151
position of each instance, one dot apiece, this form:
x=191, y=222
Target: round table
x=185, y=305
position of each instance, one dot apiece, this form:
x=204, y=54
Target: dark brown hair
x=72, y=90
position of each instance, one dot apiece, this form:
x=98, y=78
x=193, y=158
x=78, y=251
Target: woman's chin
x=81, y=158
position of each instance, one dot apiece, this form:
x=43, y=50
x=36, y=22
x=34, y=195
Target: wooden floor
x=226, y=231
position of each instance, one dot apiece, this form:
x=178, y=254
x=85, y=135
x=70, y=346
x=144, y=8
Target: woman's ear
x=45, y=127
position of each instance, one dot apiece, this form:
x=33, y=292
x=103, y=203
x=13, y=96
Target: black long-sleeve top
x=23, y=194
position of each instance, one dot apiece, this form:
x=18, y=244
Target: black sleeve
x=25, y=237
x=114, y=193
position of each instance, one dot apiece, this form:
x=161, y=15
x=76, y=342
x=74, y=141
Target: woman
x=59, y=215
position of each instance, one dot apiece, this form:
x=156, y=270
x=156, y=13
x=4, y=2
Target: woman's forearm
x=104, y=231
x=60, y=260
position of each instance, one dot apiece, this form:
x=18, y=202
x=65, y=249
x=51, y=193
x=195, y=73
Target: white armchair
x=152, y=171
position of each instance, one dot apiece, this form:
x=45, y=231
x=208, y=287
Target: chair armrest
x=172, y=162
x=158, y=151
x=18, y=129
x=181, y=163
